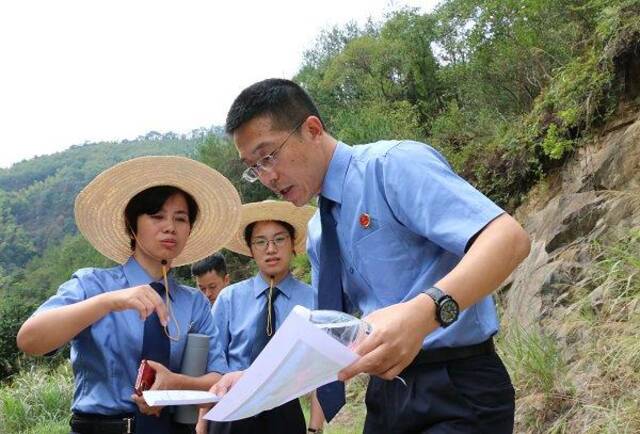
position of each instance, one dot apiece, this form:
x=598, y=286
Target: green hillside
x=37, y=195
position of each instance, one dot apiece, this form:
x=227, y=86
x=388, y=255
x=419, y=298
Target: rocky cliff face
x=579, y=292
x=595, y=197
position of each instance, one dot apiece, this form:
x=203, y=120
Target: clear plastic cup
x=347, y=329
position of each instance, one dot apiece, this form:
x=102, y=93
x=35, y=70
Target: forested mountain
x=37, y=195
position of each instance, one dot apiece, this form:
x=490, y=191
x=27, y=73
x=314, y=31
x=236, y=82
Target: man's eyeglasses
x=268, y=162
x=263, y=243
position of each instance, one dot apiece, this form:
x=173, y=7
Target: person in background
x=211, y=275
x=403, y=239
x=248, y=313
x=147, y=215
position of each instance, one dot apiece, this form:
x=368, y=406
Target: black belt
x=445, y=354
x=84, y=423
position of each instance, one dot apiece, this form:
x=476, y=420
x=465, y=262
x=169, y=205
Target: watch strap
x=439, y=296
x=436, y=294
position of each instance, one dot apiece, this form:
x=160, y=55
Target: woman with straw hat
x=246, y=314
x=148, y=214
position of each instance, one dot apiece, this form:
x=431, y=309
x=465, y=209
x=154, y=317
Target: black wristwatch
x=447, y=309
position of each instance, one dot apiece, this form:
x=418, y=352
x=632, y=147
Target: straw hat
x=298, y=217
x=99, y=207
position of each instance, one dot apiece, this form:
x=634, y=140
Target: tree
x=219, y=153
x=16, y=247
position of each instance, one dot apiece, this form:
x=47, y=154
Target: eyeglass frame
x=285, y=237
x=252, y=173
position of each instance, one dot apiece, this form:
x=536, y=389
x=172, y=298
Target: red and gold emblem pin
x=365, y=220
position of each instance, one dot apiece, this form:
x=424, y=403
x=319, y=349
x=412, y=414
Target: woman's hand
x=142, y=298
x=164, y=377
x=163, y=381
x=144, y=408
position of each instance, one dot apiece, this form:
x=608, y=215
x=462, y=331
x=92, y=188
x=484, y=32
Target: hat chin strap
x=163, y=263
x=270, y=308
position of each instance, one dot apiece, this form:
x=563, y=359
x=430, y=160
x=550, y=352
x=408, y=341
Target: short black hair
x=150, y=201
x=248, y=231
x=285, y=102
x=214, y=262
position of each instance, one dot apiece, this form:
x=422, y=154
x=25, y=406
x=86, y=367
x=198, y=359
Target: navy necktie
x=156, y=347
x=262, y=337
x=331, y=396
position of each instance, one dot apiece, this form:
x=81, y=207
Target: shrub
x=13, y=312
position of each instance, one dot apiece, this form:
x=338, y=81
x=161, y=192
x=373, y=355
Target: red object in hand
x=145, y=379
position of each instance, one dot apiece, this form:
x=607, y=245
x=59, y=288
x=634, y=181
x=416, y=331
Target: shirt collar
x=136, y=275
x=260, y=285
x=333, y=183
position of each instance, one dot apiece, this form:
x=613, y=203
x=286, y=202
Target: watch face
x=448, y=311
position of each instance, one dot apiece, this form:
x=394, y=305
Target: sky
x=76, y=71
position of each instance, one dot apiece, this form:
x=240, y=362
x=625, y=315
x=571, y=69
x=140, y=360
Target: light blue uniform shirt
x=237, y=310
x=422, y=216
x=105, y=356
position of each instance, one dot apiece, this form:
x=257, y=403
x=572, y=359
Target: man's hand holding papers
x=226, y=383
x=298, y=359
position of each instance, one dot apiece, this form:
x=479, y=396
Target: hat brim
x=271, y=210
x=99, y=207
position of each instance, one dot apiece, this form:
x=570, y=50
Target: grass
x=350, y=419
x=533, y=359
x=539, y=374
x=37, y=400
x=580, y=373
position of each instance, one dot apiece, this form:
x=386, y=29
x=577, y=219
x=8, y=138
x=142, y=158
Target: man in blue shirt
x=248, y=313
x=405, y=241
x=211, y=275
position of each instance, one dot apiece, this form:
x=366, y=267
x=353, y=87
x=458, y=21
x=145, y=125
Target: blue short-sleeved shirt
x=422, y=216
x=105, y=356
x=236, y=312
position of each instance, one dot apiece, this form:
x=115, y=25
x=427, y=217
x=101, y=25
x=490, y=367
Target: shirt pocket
x=381, y=257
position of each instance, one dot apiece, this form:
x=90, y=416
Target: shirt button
x=351, y=270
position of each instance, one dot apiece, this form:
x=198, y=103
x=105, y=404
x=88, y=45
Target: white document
x=298, y=359
x=178, y=397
